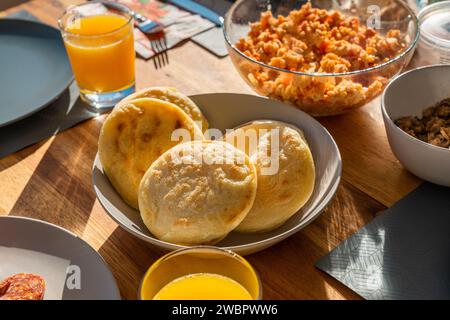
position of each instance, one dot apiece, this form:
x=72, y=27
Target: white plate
x=226, y=111
x=72, y=270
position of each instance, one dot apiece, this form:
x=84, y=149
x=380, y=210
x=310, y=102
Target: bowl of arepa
x=236, y=171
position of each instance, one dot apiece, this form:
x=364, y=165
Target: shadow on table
x=294, y=259
x=287, y=269
x=15, y=158
x=6, y=4
x=60, y=189
x=128, y=258
x=63, y=113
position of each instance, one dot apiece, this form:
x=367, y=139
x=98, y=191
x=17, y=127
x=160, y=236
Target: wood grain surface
x=51, y=181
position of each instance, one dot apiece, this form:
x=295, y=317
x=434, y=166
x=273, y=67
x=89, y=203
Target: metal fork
x=158, y=44
x=152, y=29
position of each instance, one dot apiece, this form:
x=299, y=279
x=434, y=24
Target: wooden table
x=51, y=181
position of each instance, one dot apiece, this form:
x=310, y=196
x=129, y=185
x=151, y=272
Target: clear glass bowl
x=321, y=94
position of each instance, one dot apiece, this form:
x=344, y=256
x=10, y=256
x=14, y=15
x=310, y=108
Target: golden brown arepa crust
x=191, y=203
x=280, y=195
x=135, y=135
x=172, y=95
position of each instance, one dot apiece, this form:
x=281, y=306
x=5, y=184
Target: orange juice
x=200, y=273
x=203, y=286
x=101, y=52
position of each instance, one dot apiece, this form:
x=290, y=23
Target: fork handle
x=139, y=17
x=143, y=23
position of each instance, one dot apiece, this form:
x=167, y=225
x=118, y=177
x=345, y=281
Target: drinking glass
x=200, y=260
x=100, y=45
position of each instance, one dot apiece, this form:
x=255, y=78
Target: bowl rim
x=118, y=6
x=320, y=74
x=427, y=12
x=314, y=214
x=264, y=243
x=183, y=250
x=388, y=119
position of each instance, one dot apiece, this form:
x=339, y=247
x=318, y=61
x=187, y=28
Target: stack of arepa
x=189, y=190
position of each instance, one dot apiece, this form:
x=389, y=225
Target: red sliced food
x=22, y=286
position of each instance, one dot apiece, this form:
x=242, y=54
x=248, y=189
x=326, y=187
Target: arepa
x=285, y=190
x=172, y=95
x=135, y=135
x=197, y=192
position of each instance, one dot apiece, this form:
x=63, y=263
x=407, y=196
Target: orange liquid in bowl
x=101, y=52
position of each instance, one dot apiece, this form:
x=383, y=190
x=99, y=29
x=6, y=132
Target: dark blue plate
x=34, y=68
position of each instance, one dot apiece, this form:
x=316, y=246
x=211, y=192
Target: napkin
x=213, y=39
x=402, y=254
x=52, y=269
x=179, y=25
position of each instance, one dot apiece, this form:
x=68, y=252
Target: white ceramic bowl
x=409, y=94
x=227, y=111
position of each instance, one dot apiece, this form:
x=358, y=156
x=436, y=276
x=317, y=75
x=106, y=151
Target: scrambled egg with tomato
x=312, y=40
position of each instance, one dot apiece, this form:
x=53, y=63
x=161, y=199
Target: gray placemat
x=63, y=113
x=402, y=254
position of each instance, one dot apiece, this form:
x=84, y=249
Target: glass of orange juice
x=100, y=45
x=201, y=273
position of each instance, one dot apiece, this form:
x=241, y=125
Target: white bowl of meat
x=416, y=113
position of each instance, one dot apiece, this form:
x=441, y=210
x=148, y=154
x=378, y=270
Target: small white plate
x=72, y=270
x=227, y=111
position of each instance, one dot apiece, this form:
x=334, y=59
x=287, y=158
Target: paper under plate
x=52, y=269
x=71, y=269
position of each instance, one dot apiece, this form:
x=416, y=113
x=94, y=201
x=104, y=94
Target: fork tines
x=159, y=47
